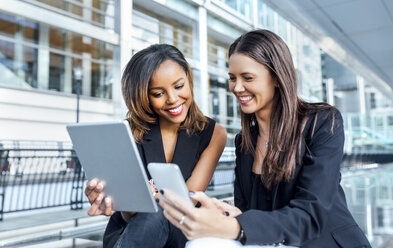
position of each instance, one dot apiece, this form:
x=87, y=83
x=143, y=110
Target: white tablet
x=107, y=151
x=168, y=176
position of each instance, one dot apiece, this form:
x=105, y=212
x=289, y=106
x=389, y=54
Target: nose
x=172, y=98
x=238, y=86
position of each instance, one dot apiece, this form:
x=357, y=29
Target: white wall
x=35, y=115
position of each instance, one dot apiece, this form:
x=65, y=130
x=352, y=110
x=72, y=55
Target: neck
x=263, y=119
x=168, y=127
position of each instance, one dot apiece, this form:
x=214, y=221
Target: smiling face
x=169, y=93
x=251, y=83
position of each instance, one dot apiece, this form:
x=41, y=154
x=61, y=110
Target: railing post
x=77, y=186
x=4, y=168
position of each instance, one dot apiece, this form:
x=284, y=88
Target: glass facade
x=244, y=7
x=306, y=55
x=150, y=28
x=223, y=105
x=39, y=56
x=97, y=12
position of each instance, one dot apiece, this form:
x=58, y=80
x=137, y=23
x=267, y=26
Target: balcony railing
x=39, y=178
x=46, y=177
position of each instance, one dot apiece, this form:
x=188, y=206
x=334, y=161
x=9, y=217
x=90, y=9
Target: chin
x=248, y=110
x=177, y=119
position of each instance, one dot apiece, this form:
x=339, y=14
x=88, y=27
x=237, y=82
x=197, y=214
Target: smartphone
x=168, y=176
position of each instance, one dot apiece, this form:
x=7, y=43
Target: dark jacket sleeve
x=114, y=229
x=240, y=201
x=306, y=214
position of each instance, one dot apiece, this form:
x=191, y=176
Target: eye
x=248, y=78
x=179, y=86
x=232, y=79
x=157, y=94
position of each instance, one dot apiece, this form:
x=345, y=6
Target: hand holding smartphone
x=169, y=176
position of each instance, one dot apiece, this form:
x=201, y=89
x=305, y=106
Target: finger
x=108, y=206
x=203, y=199
x=178, y=202
x=93, y=197
x=152, y=187
x=219, y=205
x=171, y=210
x=95, y=206
x=174, y=221
x=90, y=185
x=100, y=186
x=94, y=193
x=222, y=205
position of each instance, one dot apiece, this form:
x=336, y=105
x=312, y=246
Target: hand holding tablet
x=107, y=151
x=109, y=155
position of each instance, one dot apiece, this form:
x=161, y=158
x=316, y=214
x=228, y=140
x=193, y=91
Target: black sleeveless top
x=260, y=196
x=187, y=152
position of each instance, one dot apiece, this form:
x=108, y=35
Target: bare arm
x=204, y=169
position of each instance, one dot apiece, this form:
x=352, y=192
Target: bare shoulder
x=219, y=132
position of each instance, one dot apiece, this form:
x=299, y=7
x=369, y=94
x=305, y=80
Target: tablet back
x=107, y=151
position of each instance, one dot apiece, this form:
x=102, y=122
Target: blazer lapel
x=185, y=152
x=305, y=141
x=152, y=145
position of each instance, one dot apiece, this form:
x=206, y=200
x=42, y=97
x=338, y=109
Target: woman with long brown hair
x=288, y=154
x=168, y=127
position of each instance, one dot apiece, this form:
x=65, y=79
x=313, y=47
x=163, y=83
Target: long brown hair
x=135, y=86
x=289, y=113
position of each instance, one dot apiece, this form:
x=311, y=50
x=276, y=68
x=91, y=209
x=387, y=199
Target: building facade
x=43, y=45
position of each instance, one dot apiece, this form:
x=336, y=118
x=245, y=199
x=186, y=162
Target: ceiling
x=357, y=33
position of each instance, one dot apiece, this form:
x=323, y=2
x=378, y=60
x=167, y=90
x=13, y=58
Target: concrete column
x=330, y=91
x=369, y=199
x=255, y=10
x=43, y=57
x=167, y=33
x=67, y=87
x=222, y=96
x=122, y=53
x=203, y=60
x=18, y=51
x=221, y=57
x=87, y=13
x=275, y=22
x=86, y=80
x=362, y=96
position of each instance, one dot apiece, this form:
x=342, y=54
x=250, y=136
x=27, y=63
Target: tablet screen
x=107, y=151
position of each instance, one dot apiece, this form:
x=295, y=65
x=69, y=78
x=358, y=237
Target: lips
x=176, y=110
x=244, y=99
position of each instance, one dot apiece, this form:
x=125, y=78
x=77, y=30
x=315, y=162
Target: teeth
x=246, y=98
x=175, y=110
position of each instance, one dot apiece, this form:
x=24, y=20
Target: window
x=36, y=55
x=390, y=120
x=373, y=104
x=99, y=12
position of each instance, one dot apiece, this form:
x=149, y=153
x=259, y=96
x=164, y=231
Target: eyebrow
x=158, y=88
x=242, y=74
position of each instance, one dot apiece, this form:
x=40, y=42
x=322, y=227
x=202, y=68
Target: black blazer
x=310, y=210
x=186, y=155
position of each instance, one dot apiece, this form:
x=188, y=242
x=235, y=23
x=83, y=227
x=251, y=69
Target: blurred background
x=61, y=62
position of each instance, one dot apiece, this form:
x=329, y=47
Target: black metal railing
x=52, y=176
x=39, y=178
x=224, y=174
